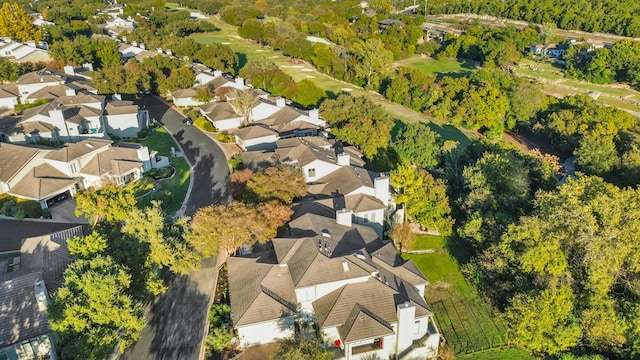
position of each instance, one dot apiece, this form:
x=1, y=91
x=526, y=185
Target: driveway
x=65, y=211
x=176, y=320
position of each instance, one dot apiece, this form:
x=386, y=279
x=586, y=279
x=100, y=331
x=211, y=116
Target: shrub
x=143, y=133
x=226, y=138
x=235, y=162
x=204, y=124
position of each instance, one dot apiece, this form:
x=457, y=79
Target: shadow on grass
x=460, y=249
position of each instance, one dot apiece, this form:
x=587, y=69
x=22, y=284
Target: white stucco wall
x=308, y=294
x=375, y=219
x=186, y=102
x=8, y=103
x=264, y=333
x=262, y=143
x=227, y=124
x=323, y=168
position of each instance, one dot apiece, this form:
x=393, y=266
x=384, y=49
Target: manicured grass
x=176, y=187
x=161, y=141
x=451, y=67
x=464, y=319
x=141, y=186
x=500, y=354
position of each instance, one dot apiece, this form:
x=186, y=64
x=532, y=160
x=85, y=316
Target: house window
x=376, y=345
x=373, y=217
x=365, y=218
x=311, y=173
x=73, y=167
x=416, y=328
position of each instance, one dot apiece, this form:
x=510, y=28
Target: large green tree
x=93, y=311
x=419, y=145
x=374, y=61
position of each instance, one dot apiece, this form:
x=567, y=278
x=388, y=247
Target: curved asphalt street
x=176, y=320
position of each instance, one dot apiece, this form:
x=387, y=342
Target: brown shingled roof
x=75, y=150
x=14, y=158
x=253, y=132
x=42, y=182
x=259, y=291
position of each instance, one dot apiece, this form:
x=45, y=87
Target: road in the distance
x=176, y=319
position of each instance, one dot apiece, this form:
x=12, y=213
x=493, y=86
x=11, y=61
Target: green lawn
x=451, y=67
x=464, y=319
x=161, y=141
x=500, y=354
x=173, y=190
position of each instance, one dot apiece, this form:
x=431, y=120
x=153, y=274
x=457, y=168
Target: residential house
x=113, y=11
x=9, y=95
x=51, y=175
x=555, y=51
x=185, y=97
x=256, y=137
x=124, y=118
x=222, y=115
x=316, y=277
x=118, y=25
x=24, y=52
x=25, y=283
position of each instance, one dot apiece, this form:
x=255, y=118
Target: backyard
x=467, y=323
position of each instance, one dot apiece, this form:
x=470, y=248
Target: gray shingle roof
x=363, y=324
x=21, y=317
x=254, y=132
x=219, y=111
x=14, y=231
x=342, y=181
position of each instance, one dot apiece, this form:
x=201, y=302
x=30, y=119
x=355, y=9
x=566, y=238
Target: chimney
x=344, y=159
x=280, y=102
x=143, y=46
x=381, y=185
x=217, y=73
x=124, y=39
x=87, y=66
x=169, y=52
x=69, y=70
x=314, y=114
x=343, y=217
x=116, y=97
x=345, y=265
x=159, y=50
x=70, y=92
x=134, y=43
x=31, y=43
x=406, y=313
x=240, y=82
x=41, y=295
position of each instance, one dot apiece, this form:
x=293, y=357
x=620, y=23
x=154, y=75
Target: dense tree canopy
x=93, y=311
x=16, y=24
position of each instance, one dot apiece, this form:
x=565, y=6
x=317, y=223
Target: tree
x=370, y=136
x=165, y=238
x=224, y=228
x=92, y=312
x=109, y=203
x=308, y=93
x=299, y=348
x=16, y=24
x=419, y=145
x=243, y=102
x=237, y=183
x=544, y=322
x=87, y=247
x=218, y=56
x=281, y=183
x=596, y=154
x=424, y=198
x=9, y=71
x=374, y=61
x=402, y=235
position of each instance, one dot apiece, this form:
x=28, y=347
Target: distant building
x=24, y=52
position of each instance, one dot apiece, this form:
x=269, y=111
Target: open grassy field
x=556, y=84
x=464, y=319
x=501, y=354
x=450, y=67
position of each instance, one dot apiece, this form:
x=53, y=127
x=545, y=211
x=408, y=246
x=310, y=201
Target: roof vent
x=41, y=295
x=89, y=145
x=345, y=266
